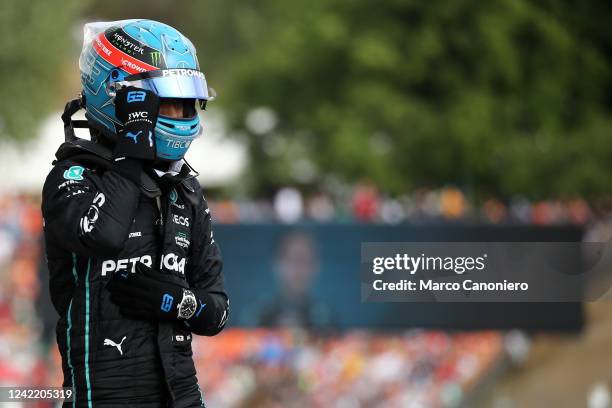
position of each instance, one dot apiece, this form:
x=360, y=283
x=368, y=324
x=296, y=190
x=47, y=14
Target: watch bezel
x=187, y=314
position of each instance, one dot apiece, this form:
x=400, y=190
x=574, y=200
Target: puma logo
x=133, y=136
x=109, y=342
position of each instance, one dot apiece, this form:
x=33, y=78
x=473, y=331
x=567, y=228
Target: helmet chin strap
x=71, y=108
x=99, y=154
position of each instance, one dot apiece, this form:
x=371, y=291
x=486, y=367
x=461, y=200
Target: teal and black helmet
x=149, y=55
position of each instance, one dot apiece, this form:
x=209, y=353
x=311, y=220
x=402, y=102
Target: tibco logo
x=178, y=144
x=117, y=265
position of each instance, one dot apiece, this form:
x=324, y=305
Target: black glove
x=151, y=295
x=137, y=110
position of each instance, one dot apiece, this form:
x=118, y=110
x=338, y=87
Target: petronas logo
x=155, y=58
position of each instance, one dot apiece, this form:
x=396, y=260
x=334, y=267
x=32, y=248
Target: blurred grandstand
x=288, y=367
x=248, y=368
x=356, y=113
x=364, y=204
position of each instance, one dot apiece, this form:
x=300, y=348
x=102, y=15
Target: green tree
x=500, y=97
x=36, y=39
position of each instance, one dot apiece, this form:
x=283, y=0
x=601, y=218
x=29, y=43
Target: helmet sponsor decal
x=120, y=40
x=188, y=72
x=178, y=144
x=131, y=46
x=155, y=58
x=118, y=58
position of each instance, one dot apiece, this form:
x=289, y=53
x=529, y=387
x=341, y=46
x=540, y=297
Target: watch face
x=188, y=305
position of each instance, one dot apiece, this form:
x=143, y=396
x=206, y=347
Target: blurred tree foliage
x=501, y=97
x=36, y=38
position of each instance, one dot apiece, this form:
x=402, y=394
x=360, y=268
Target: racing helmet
x=149, y=55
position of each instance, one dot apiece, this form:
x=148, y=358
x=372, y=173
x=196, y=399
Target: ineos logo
x=180, y=220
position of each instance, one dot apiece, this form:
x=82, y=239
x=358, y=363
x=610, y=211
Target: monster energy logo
x=155, y=58
x=125, y=44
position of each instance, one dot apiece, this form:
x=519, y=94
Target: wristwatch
x=188, y=305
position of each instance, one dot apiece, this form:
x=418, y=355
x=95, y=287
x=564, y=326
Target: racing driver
x=134, y=269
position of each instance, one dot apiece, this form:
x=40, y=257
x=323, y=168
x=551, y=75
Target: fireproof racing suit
x=98, y=223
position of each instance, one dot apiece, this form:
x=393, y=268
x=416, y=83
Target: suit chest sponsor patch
x=181, y=239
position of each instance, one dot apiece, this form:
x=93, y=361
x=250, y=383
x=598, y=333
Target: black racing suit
x=97, y=223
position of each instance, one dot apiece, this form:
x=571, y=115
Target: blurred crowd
x=285, y=367
x=296, y=368
x=21, y=290
x=364, y=203
x=240, y=368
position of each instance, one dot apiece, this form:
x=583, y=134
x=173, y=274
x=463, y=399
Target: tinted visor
x=172, y=83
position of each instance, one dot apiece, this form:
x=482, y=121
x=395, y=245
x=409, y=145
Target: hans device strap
x=90, y=153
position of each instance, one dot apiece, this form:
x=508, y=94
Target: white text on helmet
x=182, y=72
x=178, y=144
x=104, y=49
x=127, y=43
x=130, y=64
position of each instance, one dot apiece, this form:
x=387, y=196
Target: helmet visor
x=172, y=83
